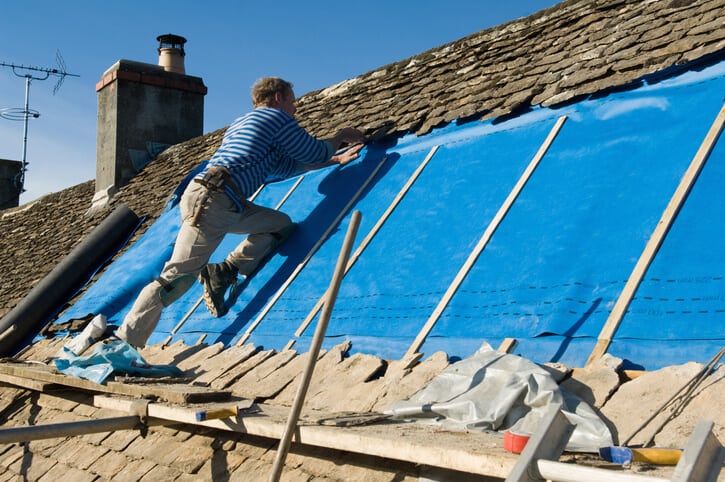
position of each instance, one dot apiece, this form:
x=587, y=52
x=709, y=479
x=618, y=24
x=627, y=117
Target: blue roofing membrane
x=550, y=274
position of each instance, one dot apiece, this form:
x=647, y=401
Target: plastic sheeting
x=497, y=391
x=550, y=274
x=108, y=358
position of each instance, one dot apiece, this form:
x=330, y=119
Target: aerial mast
x=31, y=73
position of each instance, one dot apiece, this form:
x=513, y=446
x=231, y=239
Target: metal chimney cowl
x=171, y=53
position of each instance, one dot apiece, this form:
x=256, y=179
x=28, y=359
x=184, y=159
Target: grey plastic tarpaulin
x=497, y=391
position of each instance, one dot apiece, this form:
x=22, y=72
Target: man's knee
x=173, y=290
x=283, y=234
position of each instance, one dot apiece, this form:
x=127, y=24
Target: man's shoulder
x=259, y=117
x=272, y=113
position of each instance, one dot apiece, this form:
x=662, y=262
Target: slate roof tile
x=135, y=470
x=11, y=454
x=47, y=447
x=110, y=464
x=120, y=440
x=67, y=472
x=86, y=455
x=33, y=466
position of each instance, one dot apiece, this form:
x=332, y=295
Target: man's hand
x=347, y=135
x=348, y=155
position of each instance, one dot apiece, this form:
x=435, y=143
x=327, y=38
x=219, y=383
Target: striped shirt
x=266, y=145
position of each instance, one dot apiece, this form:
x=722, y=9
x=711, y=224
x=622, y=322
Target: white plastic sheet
x=498, y=391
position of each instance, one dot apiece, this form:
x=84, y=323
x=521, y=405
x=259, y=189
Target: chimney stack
x=171, y=53
x=10, y=186
x=142, y=109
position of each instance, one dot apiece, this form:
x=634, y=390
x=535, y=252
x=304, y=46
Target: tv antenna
x=31, y=73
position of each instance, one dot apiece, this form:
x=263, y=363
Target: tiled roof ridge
x=569, y=51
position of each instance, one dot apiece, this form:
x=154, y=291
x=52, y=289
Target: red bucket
x=515, y=442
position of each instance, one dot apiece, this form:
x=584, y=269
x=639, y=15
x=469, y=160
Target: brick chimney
x=10, y=188
x=142, y=109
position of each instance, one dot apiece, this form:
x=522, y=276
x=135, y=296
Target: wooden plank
x=547, y=443
x=485, y=238
x=243, y=339
x=658, y=236
x=171, y=393
x=702, y=458
x=24, y=383
x=473, y=452
x=191, y=414
x=366, y=241
x=562, y=472
x=507, y=345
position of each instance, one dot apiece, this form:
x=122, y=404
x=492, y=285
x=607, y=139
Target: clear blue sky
x=230, y=44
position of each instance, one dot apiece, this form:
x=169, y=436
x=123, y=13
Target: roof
x=560, y=56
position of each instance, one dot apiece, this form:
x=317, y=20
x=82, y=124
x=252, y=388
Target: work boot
x=216, y=280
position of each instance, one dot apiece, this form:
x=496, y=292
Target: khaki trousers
x=195, y=244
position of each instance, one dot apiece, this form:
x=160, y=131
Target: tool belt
x=218, y=178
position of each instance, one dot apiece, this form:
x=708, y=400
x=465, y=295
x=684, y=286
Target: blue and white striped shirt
x=264, y=145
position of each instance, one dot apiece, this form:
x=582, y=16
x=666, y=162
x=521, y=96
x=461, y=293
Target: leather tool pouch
x=215, y=178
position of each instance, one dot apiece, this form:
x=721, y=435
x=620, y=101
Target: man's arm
x=346, y=135
x=344, y=157
x=296, y=167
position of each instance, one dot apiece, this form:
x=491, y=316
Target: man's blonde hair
x=264, y=90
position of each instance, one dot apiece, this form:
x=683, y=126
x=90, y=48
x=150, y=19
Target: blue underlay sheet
x=550, y=274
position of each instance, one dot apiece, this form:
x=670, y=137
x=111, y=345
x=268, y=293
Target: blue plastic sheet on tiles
x=121, y=282
x=107, y=359
x=549, y=276
x=588, y=212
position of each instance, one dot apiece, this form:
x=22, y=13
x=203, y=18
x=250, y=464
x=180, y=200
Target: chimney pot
x=171, y=53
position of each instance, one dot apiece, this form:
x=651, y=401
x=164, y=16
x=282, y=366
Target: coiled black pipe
x=49, y=296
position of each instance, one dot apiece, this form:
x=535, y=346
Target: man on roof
x=264, y=145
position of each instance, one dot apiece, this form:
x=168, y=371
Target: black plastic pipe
x=50, y=295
